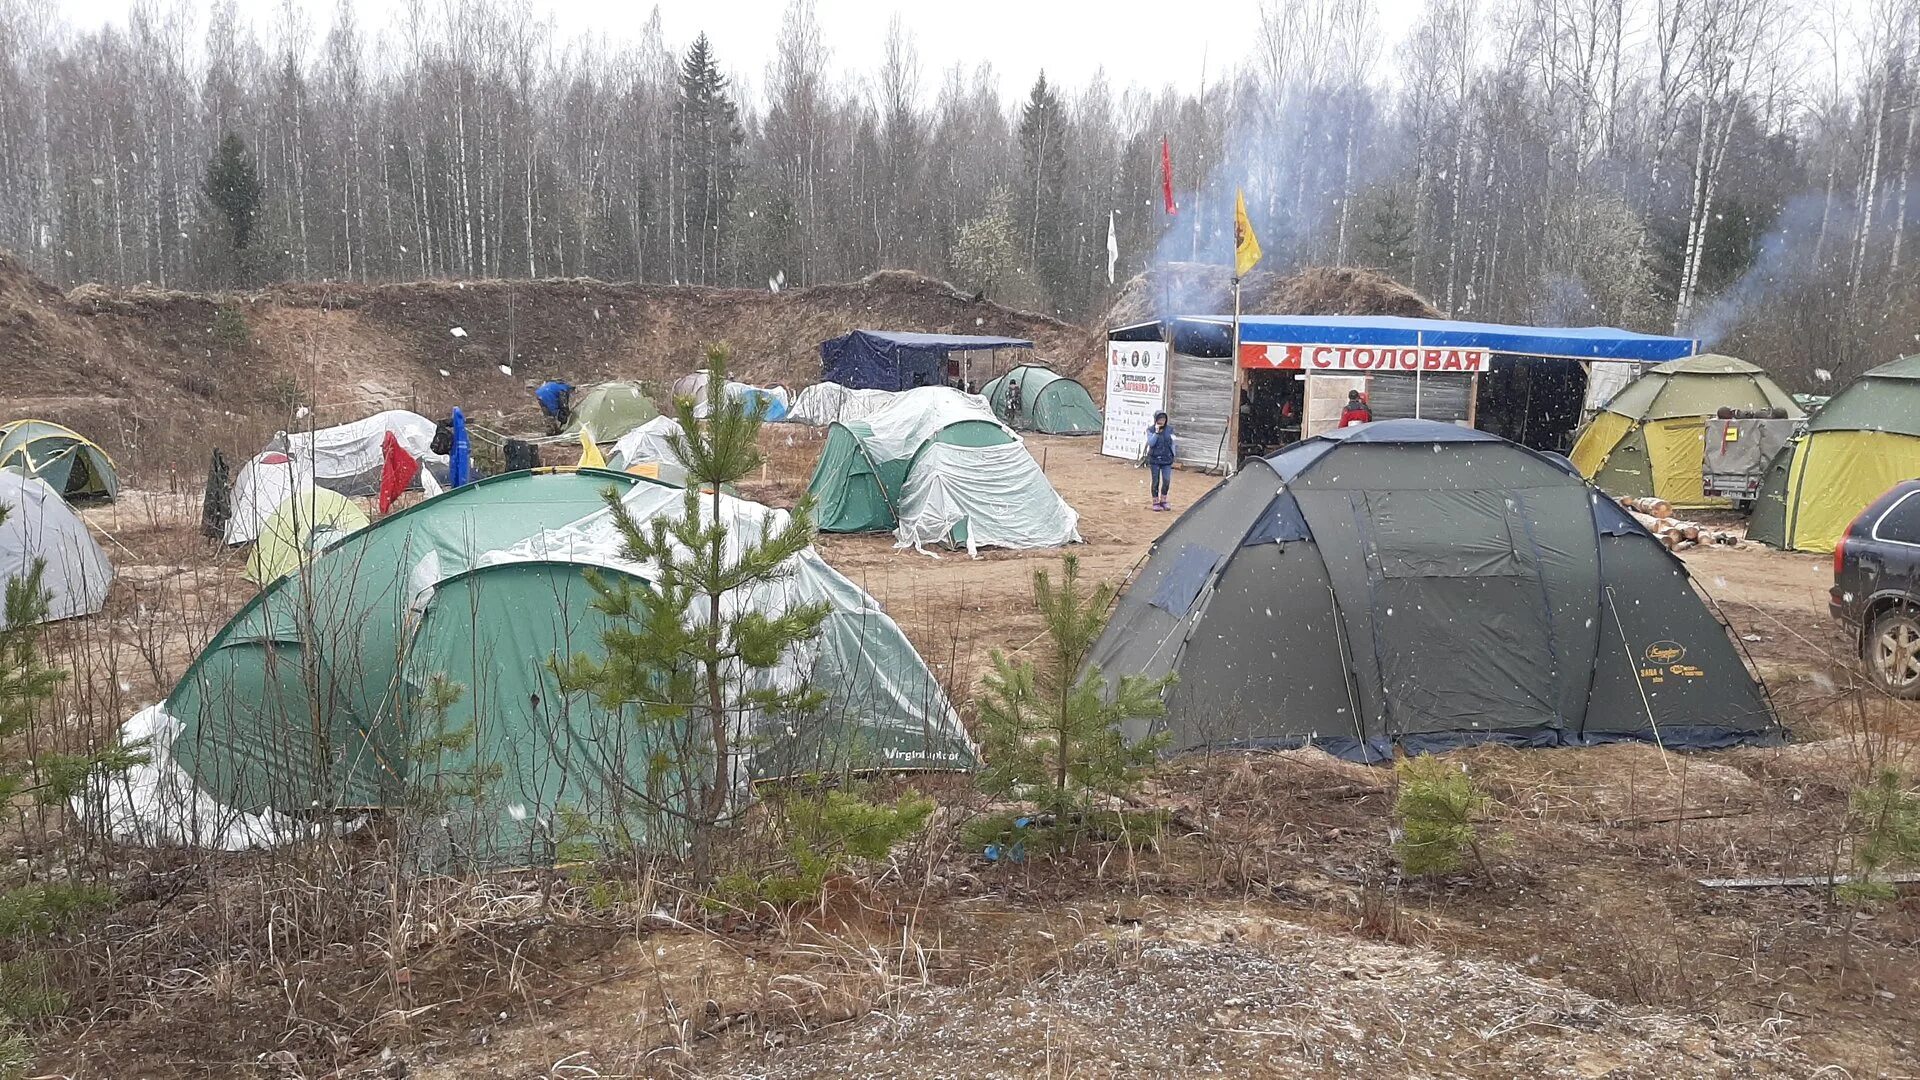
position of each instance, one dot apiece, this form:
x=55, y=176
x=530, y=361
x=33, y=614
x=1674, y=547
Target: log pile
x=1676, y=534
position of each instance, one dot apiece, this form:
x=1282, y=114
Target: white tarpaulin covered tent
x=771, y=402
x=826, y=403
x=346, y=459
x=937, y=465
x=41, y=526
x=650, y=442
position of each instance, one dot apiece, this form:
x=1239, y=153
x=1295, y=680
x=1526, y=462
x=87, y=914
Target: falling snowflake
x=445, y=374
x=458, y=331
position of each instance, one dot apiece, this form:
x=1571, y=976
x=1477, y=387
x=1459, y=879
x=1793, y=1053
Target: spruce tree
x=233, y=187
x=706, y=128
x=1043, y=151
x=695, y=671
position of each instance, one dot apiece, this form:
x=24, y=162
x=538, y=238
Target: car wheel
x=1892, y=653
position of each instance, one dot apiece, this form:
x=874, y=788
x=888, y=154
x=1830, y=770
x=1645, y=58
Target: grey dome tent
x=1033, y=398
x=1416, y=583
x=40, y=526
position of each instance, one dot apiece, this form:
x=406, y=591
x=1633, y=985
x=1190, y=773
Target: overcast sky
x=1143, y=43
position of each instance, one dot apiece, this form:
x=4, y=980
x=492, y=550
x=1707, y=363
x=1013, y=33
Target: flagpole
x=1233, y=406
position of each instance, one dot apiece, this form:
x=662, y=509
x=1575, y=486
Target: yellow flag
x=1246, y=246
x=589, y=453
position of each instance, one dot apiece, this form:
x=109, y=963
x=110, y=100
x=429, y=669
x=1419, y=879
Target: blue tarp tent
x=899, y=360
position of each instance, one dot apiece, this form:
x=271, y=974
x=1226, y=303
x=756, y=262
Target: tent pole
x=1232, y=463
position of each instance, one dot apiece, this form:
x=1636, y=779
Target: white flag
x=1113, y=247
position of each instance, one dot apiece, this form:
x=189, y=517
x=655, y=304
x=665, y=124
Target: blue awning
x=1572, y=343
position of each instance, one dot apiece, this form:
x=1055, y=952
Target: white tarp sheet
x=1605, y=379
x=999, y=492
x=158, y=803
x=648, y=442
x=916, y=415
x=829, y=402
x=354, y=449
x=347, y=459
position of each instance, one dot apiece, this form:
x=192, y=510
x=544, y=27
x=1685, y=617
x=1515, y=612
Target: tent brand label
x=1666, y=652
x=1363, y=358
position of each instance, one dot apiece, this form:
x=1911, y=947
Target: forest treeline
x=1734, y=169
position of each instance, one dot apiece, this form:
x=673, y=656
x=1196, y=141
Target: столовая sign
x=1410, y=358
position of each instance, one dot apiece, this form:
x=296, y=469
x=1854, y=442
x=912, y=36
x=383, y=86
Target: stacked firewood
x=1657, y=516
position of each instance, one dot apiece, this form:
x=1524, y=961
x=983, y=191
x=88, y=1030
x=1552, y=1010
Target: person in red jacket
x=1356, y=411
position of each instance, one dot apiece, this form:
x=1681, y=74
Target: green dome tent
x=1863, y=440
x=1412, y=583
x=1034, y=398
x=69, y=462
x=305, y=523
x=610, y=410
x=935, y=465
x=315, y=694
x=1650, y=439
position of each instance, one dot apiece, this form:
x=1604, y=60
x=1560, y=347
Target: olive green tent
x=1864, y=440
x=1033, y=398
x=610, y=410
x=1649, y=440
x=305, y=523
x=69, y=462
x=323, y=690
x=935, y=466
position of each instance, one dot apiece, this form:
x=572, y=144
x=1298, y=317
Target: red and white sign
x=1409, y=358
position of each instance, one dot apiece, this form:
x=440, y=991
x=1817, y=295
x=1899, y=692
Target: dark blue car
x=1876, y=587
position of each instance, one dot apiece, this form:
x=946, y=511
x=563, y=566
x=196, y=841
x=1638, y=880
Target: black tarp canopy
x=899, y=359
x=1419, y=584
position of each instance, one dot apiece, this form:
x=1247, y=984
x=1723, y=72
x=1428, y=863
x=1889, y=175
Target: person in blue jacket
x=556, y=400
x=1159, y=453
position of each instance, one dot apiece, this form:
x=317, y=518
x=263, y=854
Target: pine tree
x=1052, y=723
x=691, y=669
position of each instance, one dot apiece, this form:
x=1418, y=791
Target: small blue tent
x=898, y=360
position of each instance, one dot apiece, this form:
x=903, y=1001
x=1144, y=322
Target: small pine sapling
x=1884, y=819
x=1050, y=727
x=1438, y=810
x=690, y=668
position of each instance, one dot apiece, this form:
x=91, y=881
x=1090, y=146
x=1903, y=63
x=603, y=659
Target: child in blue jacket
x=1159, y=453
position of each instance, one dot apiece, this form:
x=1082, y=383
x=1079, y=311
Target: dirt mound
x=159, y=376
x=1184, y=288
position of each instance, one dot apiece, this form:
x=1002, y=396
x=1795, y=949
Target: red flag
x=1166, y=175
x=397, y=471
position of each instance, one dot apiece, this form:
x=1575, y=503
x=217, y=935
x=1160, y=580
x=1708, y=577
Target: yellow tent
x=305, y=523
x=1650, y=440
x=1862, y=442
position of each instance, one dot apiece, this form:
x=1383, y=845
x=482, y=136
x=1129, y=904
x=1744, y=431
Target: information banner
x=1136, y=389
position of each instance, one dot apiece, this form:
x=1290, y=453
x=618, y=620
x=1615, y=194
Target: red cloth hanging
x=397, y=471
